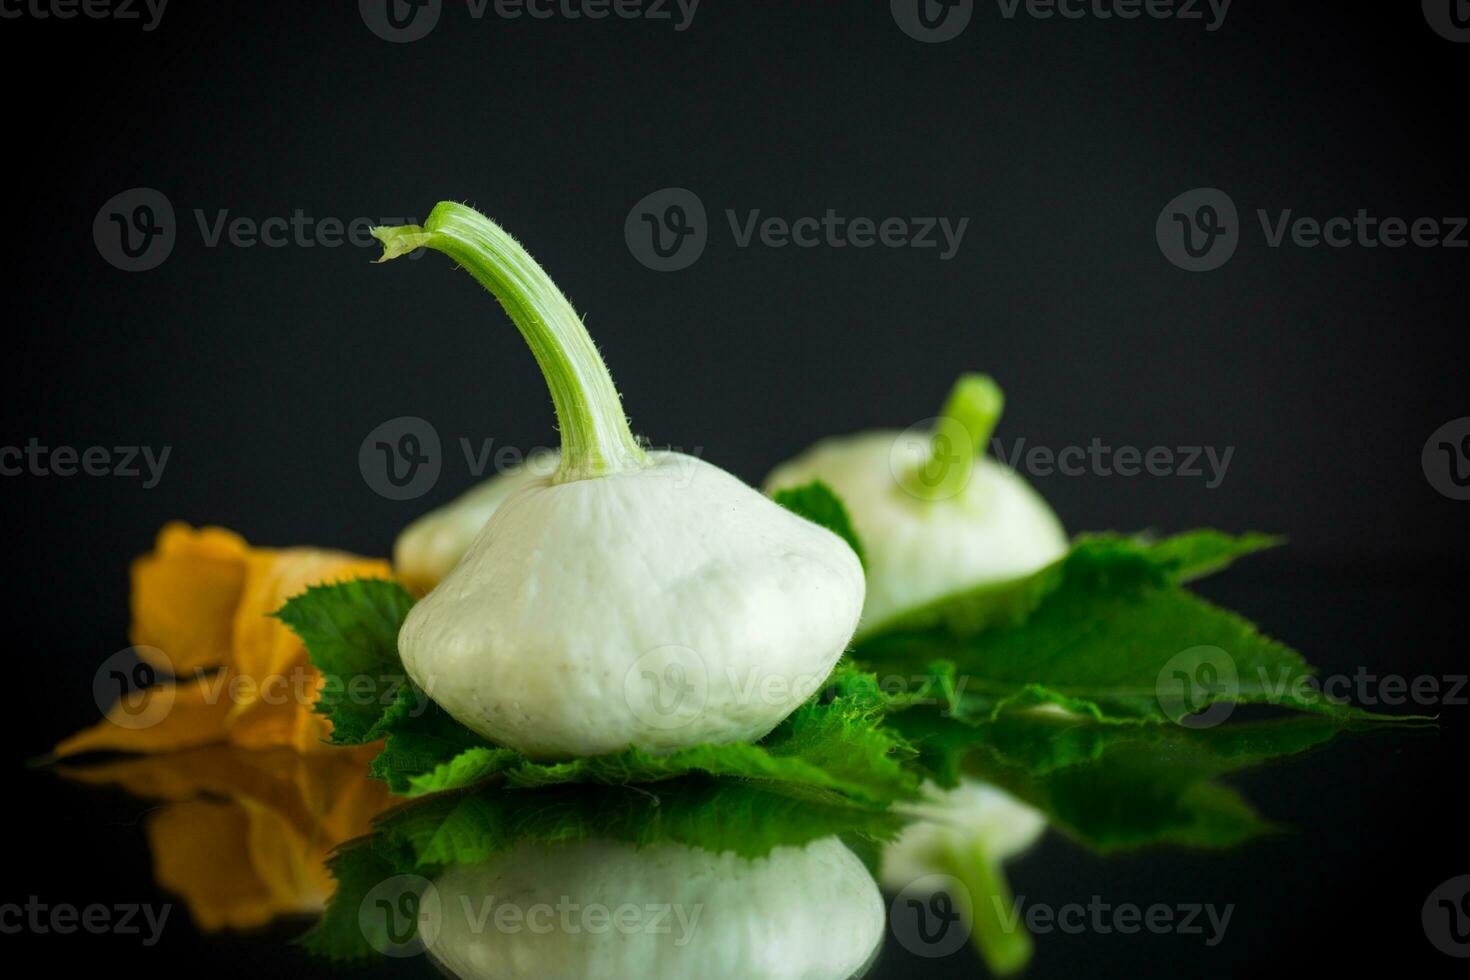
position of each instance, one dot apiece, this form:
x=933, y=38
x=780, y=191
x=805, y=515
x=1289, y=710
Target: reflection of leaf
x=1116, y=786
x=712, y=814
x=716, y=815
x=1109, y=626
x=338, y=935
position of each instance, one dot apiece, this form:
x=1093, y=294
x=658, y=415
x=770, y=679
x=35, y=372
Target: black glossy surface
x=1377, y=825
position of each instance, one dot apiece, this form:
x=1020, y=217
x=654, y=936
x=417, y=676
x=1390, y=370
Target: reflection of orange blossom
x=243, y=836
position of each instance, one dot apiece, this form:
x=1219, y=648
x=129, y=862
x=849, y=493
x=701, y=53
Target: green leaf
x=819, y=504
x=1112, y=635
x=838, y=745
x=350, y=630
x=1129, y=558
x=469, y=767
x=1197, y=553
x=419, y=745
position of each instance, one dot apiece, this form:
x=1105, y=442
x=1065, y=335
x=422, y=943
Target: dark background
x=264, y=368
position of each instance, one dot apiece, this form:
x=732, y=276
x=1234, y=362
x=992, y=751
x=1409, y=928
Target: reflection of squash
x=602, y=908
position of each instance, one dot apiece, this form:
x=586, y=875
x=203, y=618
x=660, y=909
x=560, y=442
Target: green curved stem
x=595, y=438
x=996, y=930
x=969, y=416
